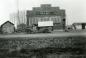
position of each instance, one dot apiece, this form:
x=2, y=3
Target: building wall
x=8, y=28
x=79, y=26
x=46, y=13
x=35, y=20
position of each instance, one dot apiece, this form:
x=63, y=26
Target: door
x=83, y=26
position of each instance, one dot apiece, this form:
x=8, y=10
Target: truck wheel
x=29, y=31
x=46, y=31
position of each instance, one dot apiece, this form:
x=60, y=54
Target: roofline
x=6, y=22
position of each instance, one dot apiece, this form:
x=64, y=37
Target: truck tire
x=46, y=31
x=28, y=31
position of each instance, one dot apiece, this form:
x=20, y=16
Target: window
x=63, y=19
x=37, y=13
x=52, y=13
x=44, y=13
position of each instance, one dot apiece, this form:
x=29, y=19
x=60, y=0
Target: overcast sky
x=75, y=9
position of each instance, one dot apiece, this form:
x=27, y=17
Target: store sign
x=45, y=23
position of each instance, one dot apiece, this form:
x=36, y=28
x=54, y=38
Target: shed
x=7, y=27
x=80, y=25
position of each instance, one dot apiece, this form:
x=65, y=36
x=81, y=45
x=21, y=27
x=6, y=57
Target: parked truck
x=41, y=27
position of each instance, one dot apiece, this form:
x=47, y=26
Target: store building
x=47, y=13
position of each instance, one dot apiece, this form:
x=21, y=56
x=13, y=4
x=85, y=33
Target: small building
x=79, y=25
x=7, y=27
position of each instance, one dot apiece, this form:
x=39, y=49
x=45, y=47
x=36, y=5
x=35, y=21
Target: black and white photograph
x=42, y=28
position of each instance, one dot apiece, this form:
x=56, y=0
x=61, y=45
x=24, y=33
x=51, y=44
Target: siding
x=8, y=28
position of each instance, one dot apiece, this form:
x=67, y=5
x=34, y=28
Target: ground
x=53, y=34
x=51, y=52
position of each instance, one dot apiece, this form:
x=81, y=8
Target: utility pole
x=18, y=19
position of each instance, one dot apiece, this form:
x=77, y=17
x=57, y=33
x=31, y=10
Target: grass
x=78, y=49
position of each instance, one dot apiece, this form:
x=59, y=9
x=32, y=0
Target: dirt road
x=57, y=34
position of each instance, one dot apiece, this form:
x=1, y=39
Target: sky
x=75, y=9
